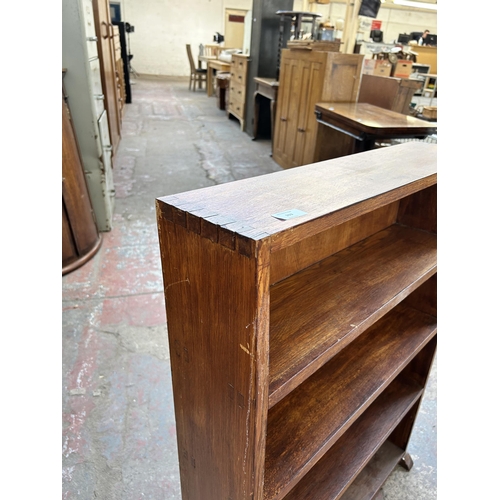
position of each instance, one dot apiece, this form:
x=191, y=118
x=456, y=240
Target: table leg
x=256, y=108
x=273, y=117
x=209, y=81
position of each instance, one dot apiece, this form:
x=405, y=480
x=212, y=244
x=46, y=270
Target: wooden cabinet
x=301, y=310
x=80, y=237
x=237, y=88
x=120, y=76
x=106, y=48
x=308, y=77
x=86, y=100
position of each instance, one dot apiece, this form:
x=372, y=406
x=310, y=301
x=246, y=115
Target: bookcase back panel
x=317, y=247
x=419, y=210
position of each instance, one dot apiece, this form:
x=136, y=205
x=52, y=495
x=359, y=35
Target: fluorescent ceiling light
x=418, y=5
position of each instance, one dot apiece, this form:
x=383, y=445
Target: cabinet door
x=311, y=86
x=287, y=115
x=104, y=31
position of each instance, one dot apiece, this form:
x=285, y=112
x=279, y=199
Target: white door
x=234, y=28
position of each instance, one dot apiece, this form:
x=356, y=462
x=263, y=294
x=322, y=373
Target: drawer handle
x=92, y=39
x=301, y=129
x=283, y=119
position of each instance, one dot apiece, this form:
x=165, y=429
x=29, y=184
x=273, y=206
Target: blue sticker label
x=289, y=214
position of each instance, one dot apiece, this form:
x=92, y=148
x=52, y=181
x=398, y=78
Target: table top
x=271, y=82
x=207, y=58
x=216, y=64
x=372, y=119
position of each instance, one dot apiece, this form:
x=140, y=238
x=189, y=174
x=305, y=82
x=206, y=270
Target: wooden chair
x=197, y=75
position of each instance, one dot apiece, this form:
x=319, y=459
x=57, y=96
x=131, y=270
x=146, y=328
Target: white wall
x=164, y=27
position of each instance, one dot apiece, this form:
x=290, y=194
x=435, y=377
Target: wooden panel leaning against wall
x=105, y=35
x=80, y=237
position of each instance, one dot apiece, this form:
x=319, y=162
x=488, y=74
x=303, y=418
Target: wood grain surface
x=364, y=443
x=374, y=120
x=297, y=346
x=329, y=192
x=305, y=424
x=357, y=286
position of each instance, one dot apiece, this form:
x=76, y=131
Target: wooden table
x=214, y=65
x=266, y=87
x=352, y=127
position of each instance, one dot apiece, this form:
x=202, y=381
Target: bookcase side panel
x=213, y=302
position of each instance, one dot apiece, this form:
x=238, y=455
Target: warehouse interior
x=162, y=136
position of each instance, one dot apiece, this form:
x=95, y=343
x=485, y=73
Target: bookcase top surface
x=275, y=204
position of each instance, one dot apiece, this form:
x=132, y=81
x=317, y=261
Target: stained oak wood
x=224, y=256
x=215, y=346
x=329, y=193
x=295, y=258
x=375, y=473
x=364, y=443
x=358, y=286
x=362, y=117
x=304, y=425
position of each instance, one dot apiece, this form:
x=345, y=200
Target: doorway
x=234, y=28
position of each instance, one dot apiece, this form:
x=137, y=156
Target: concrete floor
x=119, y=438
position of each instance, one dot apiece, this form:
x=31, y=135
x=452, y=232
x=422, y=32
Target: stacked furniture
x=308, y=77
x=87, y=101
x=301, y=311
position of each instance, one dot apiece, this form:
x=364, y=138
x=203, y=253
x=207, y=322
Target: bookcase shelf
x=300, y=347
x=335, y=395
x=360, y=284
x=366, y=441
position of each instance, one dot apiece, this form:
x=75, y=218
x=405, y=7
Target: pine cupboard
x=308, y=77
x=301, y=311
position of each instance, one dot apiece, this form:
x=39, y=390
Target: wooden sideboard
x=301, y=311
x=308, y=77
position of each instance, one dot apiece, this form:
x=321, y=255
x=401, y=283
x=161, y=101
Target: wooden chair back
x=388, y=92
x=191, y=60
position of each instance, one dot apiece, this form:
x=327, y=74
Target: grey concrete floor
x=118, y=435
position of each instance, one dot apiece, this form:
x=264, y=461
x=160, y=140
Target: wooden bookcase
x=300, y=348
